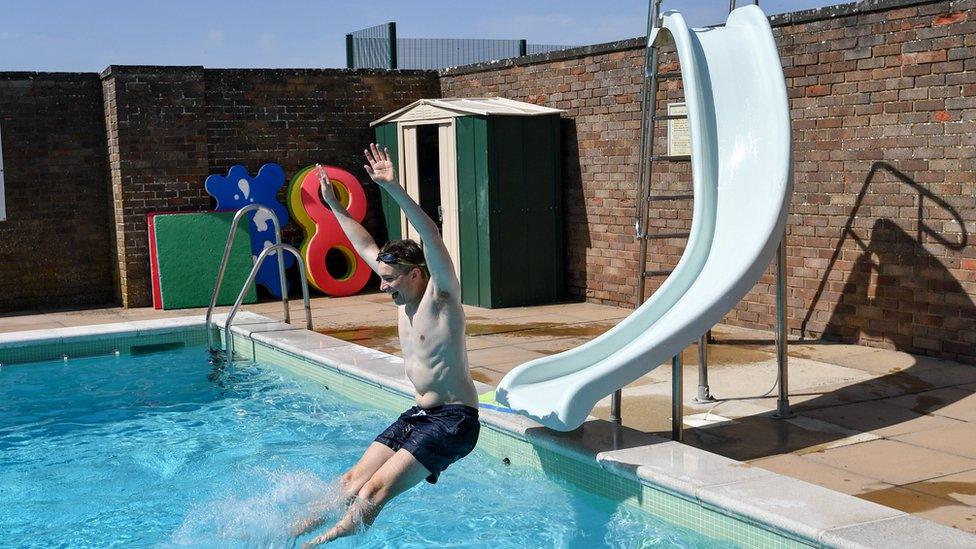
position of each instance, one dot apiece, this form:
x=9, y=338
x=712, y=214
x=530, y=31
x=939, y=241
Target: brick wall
x=157, y=144
x=55, y=246
x=300, y=117
x=170, y=127
x=883, y=99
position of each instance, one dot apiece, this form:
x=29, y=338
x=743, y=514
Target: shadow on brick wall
x=576, y=235
x=897, y=291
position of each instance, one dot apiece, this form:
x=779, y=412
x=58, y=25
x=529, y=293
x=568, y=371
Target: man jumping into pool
x=443, y=426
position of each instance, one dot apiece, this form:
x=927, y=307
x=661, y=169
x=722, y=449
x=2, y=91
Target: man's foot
x=305, y=525
x=332, y=534
x=317, y=513
x=359, y=516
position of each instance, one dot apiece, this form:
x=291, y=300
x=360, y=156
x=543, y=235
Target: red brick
x=951, y=18
x=817, y=90
x=924, y=57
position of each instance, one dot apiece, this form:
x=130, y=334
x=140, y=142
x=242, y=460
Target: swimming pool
x=160, y=448
x=598, y=485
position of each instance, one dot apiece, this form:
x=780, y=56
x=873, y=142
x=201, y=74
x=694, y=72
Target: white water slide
x=739, y=120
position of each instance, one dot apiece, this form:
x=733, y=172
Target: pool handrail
x=280, y=247
x=223, y=266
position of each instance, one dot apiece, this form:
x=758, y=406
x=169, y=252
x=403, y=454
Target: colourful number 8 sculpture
x=322, y=230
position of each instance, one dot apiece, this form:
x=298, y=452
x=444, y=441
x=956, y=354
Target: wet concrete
x=937, y=496
x=536, y=329
x=381, y=338
x=755, y=437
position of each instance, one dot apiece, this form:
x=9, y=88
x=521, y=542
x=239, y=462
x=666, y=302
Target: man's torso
x=434, y=353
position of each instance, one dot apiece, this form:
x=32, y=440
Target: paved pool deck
x=885, y=426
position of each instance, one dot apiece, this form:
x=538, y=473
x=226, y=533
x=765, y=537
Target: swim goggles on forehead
x=391, y=258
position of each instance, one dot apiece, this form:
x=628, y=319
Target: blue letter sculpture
x=239, y=189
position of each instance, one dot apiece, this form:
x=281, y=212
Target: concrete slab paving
x=959, y=487
x=841, y=480
x=881, y=417
x=502, y=358
x=22, y=325
x=958, y=438
x=945, y=511
x=951, y=402
x=487, y=375
x=894, y=462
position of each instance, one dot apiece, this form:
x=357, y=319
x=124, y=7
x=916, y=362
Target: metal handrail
x=646, y=147
x=223, y=266
x=732, y=4
x=228, y=337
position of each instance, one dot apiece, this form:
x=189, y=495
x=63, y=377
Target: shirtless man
x=443, y=426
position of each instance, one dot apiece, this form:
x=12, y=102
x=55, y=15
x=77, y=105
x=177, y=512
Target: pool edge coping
x=778, y=503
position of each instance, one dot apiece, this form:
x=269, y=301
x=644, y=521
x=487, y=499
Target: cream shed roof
x=425, y=109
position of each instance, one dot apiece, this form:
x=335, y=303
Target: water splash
x=266, y=519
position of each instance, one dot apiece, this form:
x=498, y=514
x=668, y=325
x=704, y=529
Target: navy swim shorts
x=436, y=437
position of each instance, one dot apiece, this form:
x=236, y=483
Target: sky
x=90, y=35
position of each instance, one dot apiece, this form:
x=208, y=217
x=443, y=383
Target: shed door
x=429, y=173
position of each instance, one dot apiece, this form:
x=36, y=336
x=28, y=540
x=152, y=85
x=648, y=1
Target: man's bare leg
x=400, y=473
x=350, y=483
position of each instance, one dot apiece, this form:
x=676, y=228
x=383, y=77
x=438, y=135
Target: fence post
x=391, y=32
x=350, y=60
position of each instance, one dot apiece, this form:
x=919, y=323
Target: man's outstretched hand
x=380, y=168
x=325, y=186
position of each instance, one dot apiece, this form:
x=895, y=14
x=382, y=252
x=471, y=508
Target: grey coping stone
x=678, y=467
x=12, y=340
x=902, y=530
x=590, y=439
x=298, y=338
x=98, y=331
x=793, y=505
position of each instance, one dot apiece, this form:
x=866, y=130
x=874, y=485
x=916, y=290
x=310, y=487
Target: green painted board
x=543, y=206
x=472, y=178
x=189, y=248
x=386, y=136
x=525, y=196
x=509, y=240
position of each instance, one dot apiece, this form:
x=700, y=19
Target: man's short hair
x=404, y=255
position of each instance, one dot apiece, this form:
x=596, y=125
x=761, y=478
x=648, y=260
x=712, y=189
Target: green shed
x=487, y=171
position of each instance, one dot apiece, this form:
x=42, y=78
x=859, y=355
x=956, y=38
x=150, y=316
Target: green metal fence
x=373, y=48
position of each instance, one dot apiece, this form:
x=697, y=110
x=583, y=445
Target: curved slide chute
x=739, y=118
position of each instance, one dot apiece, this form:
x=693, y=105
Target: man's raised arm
x=442, y=274
x=360, y=239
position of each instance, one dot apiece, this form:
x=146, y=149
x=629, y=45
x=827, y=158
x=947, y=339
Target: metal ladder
x=649, y=90
x=280, y=248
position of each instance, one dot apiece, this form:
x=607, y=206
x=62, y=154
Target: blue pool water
x=152, y=450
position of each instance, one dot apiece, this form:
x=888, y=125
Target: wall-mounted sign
x=679, y=138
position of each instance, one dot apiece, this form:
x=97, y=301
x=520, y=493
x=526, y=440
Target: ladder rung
x=669, y=117
x=655, y=236
x=664, y=197
x=649, y=274
x=668, y=75
x=668, y=158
